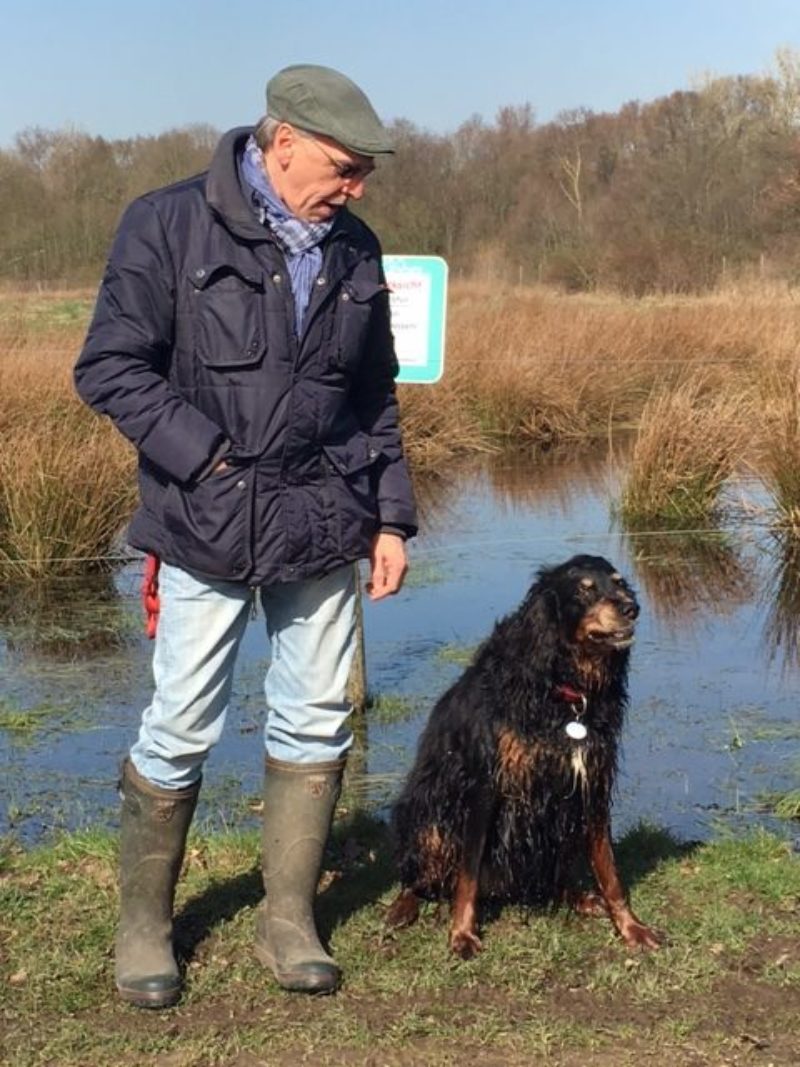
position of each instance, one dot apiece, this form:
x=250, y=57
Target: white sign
x=418, y=302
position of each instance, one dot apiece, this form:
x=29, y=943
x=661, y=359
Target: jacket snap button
x=241, y=485
x=200, y=273
x=345, y=296
x=321, y=281
x=277, y=279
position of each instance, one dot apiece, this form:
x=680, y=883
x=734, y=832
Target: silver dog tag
x=576, y=730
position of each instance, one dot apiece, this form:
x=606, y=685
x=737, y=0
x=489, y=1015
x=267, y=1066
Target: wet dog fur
x=502, y=802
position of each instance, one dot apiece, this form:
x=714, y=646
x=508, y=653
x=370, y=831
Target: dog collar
x=574, y=696
x=574, y=729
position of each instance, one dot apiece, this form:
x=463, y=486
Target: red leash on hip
x=150, y=598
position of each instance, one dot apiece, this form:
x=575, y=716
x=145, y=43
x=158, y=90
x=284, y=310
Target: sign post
x=418, y=306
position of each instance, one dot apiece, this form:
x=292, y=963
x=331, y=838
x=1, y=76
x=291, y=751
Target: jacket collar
x=227, y=199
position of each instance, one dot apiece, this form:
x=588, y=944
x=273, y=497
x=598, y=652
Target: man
x=241, y=341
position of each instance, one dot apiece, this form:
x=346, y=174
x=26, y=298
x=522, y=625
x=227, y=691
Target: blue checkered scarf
x=300, y=240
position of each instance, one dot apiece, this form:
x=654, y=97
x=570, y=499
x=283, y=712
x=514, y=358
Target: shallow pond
x=713, y=726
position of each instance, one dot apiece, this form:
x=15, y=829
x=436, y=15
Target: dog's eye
x=587, y=583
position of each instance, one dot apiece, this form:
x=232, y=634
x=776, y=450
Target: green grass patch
x=753, y=724
x=422, y=573
x=386, y=708
x=460, y=655
x=784, y=805
x=29, y=724
x=549, y=986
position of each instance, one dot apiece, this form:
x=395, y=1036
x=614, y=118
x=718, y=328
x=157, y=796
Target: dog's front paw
x=465, y=943
x=638, y=936
x=590, y=904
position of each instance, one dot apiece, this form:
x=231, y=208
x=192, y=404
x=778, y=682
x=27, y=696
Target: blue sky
x=147, y=65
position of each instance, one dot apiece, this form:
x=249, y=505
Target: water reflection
x=72, y=617
x=782, y=623
x=538, y=477
x=685, y=572
x=486, y=530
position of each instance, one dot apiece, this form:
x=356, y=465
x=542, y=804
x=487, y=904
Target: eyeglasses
x=351, y=173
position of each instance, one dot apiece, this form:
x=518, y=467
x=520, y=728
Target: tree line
x=669, y=195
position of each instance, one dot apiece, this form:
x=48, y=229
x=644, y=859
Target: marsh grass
x=550, y=986
x=788, y=805
x=28, y=721
x=784, y=805
x=779, y=461
x=524, y=367
x=387, y=708
x=460, y=655
x=67, y=482
x=64, y=496
x=689, y=441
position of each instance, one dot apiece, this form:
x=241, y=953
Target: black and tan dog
x=512, y=784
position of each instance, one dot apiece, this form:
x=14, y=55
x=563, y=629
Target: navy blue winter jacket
x=192, y=345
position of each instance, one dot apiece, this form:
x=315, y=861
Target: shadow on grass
x=217, y=904
x=644, y=848
x=357, y=863
x=361, y=854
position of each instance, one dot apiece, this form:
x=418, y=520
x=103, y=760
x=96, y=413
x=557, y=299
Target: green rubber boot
x=155, y=823
x=299, y=800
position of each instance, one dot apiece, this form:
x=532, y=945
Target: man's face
x=313, y=175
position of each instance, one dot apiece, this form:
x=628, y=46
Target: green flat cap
x=321, y=100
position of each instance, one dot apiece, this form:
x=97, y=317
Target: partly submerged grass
x=779, y=460
x=545, y=985
x=386, y=708
x=460, y=655
x=27, y=722
x=688, y=443
x=784, y=805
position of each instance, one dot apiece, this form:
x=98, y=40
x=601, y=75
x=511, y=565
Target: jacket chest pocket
x=228, y=322
x=357, y=302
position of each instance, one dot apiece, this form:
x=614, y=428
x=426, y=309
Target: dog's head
x=595, y=607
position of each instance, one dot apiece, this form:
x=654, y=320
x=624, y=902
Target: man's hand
x=388, y=565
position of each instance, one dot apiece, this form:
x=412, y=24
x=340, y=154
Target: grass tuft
x=688, y=444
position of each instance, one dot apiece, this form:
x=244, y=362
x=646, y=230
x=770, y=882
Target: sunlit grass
x=523, y=367
x=536, y=990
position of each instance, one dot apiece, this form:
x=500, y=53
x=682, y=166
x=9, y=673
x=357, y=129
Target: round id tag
x=576, y=730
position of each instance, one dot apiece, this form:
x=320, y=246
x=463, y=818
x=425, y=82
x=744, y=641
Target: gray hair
x=265, y=131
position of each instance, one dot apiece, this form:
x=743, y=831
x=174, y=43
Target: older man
x=241, y=341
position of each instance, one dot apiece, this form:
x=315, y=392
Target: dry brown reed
x=535, y=366
x=779, y=439
x=66, y=477
x=524, y=366
x=690, y=440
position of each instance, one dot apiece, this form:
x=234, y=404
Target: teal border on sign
x=434, y=268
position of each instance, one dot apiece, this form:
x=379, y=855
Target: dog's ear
x=541, y=613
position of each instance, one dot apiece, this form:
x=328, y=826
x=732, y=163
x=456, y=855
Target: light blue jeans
x=311, y=628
